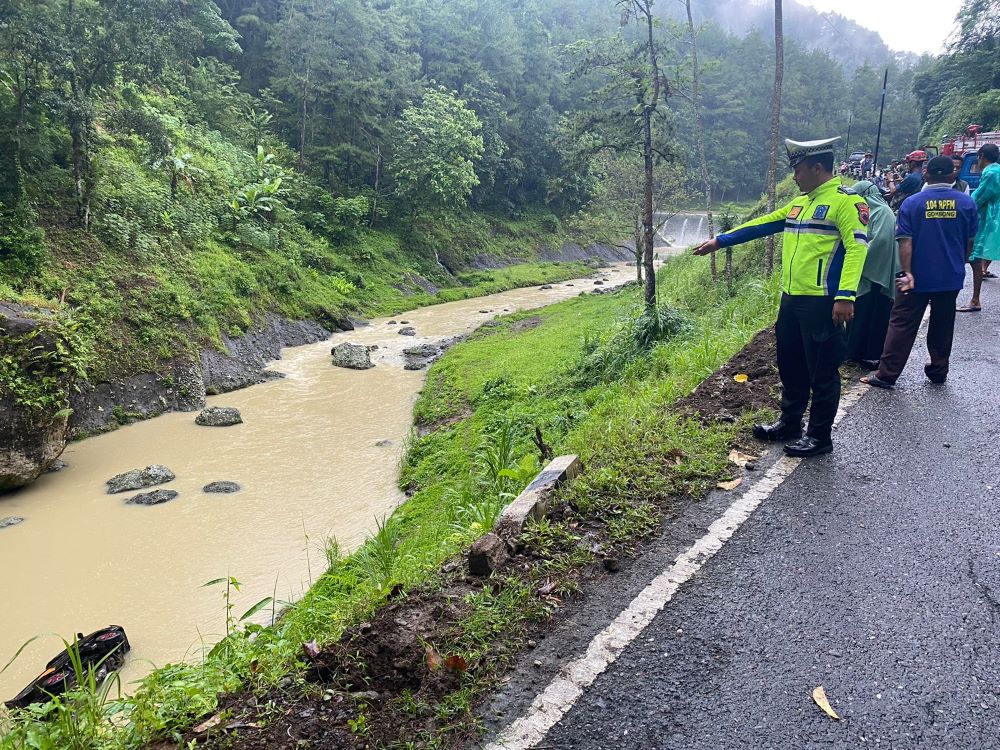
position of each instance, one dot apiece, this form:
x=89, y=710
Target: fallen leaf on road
x=741, y=459
x=819, y=695
x=741, y=378
x=456, y=663
x=208, y=724
x=434, y=659
x=727, y=486
x=547, y=589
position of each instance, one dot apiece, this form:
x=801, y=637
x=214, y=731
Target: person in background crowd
x=936, y=229
x=877, y=289
x=987, y=199
x=823, y=251
x=867, y=166
x=960, y=184
x=912, y=182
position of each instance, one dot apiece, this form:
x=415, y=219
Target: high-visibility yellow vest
x=825, y=241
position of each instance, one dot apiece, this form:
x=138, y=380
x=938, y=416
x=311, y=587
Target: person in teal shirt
x=987, y=198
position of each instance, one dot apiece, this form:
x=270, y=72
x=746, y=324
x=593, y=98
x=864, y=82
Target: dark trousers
x=810, y=350
x=903, y=326
x=866, y=333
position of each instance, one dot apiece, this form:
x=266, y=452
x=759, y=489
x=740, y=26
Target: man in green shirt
x=823, y=251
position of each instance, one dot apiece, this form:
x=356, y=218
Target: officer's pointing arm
x=762, y=226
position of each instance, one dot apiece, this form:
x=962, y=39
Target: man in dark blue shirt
x=935, y=229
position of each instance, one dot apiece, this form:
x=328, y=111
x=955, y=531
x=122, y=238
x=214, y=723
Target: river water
x=306, y=456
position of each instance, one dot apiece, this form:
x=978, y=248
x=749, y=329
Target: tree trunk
x=700, y=134
x=645, y=7
x=779, y=69
x=83, y=178
x=638, y=245
x=378, y=174
x=302, y=123
x=647, y=209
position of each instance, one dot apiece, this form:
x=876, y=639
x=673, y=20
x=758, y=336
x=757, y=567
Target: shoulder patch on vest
x=846, y=190
x=862, y=212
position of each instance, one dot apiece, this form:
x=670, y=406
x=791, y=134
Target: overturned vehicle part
x=103, y=651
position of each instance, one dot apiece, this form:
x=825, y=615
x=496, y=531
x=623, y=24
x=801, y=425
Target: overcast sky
x=905, y=25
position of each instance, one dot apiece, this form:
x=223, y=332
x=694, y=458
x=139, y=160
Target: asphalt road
x=874, y=572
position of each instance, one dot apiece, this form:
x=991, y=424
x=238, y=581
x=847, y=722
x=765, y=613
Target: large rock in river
x=156, y=497
x=351, y=356
x=219, y=416
x=139, y=479
x=34, y=393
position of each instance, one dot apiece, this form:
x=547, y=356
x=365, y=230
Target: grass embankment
x=596, y=380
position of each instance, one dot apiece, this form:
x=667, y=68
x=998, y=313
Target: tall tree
x=439, y=143
x=772, y=171
x=649, y=86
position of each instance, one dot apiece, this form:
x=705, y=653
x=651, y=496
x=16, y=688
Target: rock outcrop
x=351, y=356
x=219, y=416
x=221, y=488
x=10, y=521
x=156, y=497
x=139, y=479
x=33, y=417
x=407, y=331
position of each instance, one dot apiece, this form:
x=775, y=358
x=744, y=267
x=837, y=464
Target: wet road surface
x=874, y=572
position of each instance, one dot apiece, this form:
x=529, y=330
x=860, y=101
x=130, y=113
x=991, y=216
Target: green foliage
x=36, y=368
x=439, y=143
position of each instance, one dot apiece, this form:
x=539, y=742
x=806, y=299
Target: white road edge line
x=577, y=675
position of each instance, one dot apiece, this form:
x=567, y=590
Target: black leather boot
x=808, y=446
x=780, y=430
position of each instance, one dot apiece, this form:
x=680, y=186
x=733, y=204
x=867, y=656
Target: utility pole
x=847, y=143
x=878, y=137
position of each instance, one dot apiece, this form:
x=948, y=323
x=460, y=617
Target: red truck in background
x=966, y=145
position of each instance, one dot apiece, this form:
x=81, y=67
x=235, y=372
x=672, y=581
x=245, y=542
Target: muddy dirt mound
x=722, y=397
x=401, y=651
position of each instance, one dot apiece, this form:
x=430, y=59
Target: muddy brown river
x=306, y=456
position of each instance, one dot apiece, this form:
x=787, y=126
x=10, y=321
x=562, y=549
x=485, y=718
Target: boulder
x=57, y=465
x=404, y=322
x=598, y=283
x=219, y=416
x=351, y=356
x=156, y=497
x=544, y=287
x=408, y=331
x=487, y=554
x=32, y=437
x=391, y=323
x=418, y=357
x=10, y=521
x=139, y=479
x=223, y=488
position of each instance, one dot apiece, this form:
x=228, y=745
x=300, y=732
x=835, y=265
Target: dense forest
x=173, y=168
x=962, y=87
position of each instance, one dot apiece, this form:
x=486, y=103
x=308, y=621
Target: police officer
x=822, y=254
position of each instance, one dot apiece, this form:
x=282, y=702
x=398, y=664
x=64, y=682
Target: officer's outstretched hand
x=843, y=312
x=710, y=246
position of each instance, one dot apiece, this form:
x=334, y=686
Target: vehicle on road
x=967, y=145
